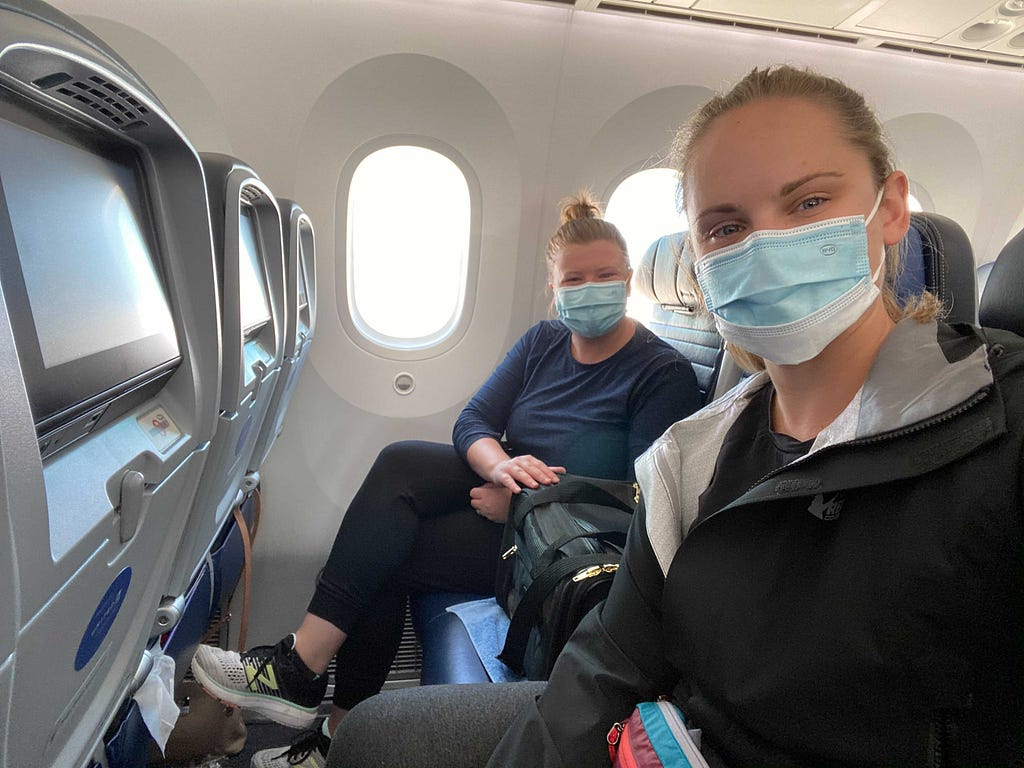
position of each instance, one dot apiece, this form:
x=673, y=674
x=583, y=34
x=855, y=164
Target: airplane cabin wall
x=539, y=100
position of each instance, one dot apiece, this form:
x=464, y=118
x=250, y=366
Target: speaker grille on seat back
x=106, y=101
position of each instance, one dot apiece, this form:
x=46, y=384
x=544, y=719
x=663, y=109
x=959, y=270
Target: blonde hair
x=581, y=224
x=859, y=126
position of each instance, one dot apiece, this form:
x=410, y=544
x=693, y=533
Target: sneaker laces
x=305, y=744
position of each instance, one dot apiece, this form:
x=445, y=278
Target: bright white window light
x=643, y=207
x=408, y=246
x=914, y=204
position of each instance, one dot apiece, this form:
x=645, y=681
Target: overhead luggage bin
x=110, y=360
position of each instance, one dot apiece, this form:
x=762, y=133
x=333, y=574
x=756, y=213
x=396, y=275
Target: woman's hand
x=491, y=501
x=526, y=471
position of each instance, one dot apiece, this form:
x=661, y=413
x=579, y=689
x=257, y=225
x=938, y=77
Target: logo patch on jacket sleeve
x=826, y=510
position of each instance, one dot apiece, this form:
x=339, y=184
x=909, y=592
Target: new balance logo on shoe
x=265, y=677
x=826, y=510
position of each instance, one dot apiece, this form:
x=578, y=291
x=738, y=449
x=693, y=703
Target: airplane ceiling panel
x=819, y=14
x=977, y=30
x=924, y=18
x=992, y=27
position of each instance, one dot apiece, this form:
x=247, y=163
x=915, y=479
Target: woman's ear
x=629, y=282
x=894, y=211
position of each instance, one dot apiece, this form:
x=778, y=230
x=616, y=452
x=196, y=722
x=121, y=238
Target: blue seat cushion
x=448, y=652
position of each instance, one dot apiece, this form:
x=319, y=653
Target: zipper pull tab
x=613, y=737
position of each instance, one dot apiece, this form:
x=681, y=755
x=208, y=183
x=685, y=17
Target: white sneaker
x=269, y=679
x=308, y=750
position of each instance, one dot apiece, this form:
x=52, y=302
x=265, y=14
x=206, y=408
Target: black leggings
x=410, y=528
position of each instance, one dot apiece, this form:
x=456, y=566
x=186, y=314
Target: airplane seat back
x=937, y=256
x=250, y=272
x=1002, y=304
x=111, y=379
x=675, y=315
x=300, y=288
x=982, y=274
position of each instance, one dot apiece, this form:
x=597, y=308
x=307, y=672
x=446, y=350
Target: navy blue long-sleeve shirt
x=593, y=419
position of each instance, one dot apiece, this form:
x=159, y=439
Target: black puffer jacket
x=862, y=606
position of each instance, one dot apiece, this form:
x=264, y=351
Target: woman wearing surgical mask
x=826, y=566
x=585, y=394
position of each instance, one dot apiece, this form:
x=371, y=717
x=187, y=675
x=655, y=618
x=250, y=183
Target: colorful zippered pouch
x=655, y=736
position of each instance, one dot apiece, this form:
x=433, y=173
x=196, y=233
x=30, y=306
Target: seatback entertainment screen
x=79, y=271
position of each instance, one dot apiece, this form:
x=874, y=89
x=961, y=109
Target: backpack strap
x=525, y=615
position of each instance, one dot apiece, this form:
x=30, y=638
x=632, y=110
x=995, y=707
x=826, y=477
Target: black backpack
x=560, y=549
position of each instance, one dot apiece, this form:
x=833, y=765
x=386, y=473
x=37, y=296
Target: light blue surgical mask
x=786, y=294
x=591, y=309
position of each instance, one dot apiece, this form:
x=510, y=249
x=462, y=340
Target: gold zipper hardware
x=509, y=552
x=587, y=573
x=594, y=570
x=636, y=493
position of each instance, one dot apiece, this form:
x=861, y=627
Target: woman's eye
x=726, y=230
x=810, y=202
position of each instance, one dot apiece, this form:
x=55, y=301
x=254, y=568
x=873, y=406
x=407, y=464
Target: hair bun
x=580, y=206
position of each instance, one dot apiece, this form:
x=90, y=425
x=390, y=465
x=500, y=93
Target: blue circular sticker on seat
x=103, y=618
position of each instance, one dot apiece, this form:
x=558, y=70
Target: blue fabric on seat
x=912, y=281
x=487, y=625
x=938, y=257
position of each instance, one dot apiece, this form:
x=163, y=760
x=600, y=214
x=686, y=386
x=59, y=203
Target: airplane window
x=914, y=203
x=408, y=246
x=643, y=207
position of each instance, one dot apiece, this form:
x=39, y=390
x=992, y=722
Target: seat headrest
x=1002, y=305
x=938, y=257
x=661, y=274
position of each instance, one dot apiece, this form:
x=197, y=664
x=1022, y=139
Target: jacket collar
x=922, y=370
x=946, y=369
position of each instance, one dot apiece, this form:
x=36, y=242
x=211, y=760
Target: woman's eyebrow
x=723, y=208
x=792, y=186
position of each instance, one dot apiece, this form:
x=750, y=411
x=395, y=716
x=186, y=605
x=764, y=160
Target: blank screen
x=255, y=310
x=88, y=270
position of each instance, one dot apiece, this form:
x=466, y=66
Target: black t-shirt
x=750, y=451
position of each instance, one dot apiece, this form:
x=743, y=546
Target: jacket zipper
x=939, y=743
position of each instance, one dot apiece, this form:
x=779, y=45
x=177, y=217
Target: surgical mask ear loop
x=874, y=210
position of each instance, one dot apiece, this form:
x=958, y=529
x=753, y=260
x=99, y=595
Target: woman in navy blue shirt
x=584, y=394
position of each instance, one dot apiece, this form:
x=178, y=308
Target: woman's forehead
x=589, y=255
x=768, y=143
